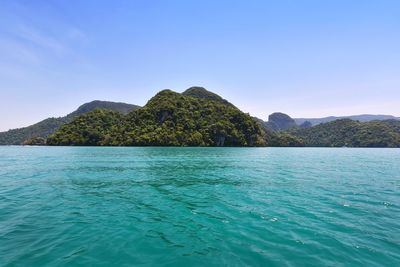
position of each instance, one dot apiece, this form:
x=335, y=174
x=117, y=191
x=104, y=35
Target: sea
x=183, y=206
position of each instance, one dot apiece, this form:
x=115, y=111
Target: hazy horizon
x=309, y=60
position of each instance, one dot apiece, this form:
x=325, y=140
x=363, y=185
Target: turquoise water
x=77, y=206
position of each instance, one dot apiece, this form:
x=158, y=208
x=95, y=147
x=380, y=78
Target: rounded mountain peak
x=279, y=116
x=201, y=92
x=280, y=122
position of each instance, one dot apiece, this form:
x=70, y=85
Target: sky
x=306, y=58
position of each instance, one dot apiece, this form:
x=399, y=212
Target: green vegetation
x=90, y=129
x=201, y=92
x=40, y=129
x=284, y=139
x=35, y=141
x=168, y=119
x=97, y=104
x=48, y=126
x=196, y=117
x=361, y=118
x=346, y=132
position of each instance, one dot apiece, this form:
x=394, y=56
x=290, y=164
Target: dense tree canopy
x=48, y=126
x=90, y=129
x=284, y=139
x=346, y=132
x=196, y=117
x=201, y=92
x=40, y=129
x=168, y=119
x=35, y=141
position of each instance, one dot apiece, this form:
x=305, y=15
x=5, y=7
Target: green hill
x=40, y=129
x=201, y=92
x=168, y=119
x=97, y=104
x=48, y=126
x=350, y=133
x=361, y=118
x=196, y=117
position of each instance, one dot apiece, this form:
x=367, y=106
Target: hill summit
x=201, y=92
x=280, y=122
x=196, y=117
x=42, y=129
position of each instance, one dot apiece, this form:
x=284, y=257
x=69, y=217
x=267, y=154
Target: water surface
x=85, y=206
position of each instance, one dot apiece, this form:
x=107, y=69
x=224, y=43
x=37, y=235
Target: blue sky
x=305, y=58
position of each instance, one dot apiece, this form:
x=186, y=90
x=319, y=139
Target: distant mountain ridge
x=351, y=133
x=360, y=131
x=50, y=125
x=361, y=118
x=279, y=121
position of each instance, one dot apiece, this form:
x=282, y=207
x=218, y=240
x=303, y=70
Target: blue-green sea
x=147, y=206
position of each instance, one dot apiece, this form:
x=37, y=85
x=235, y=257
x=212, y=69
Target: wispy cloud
x=60, y=45
x=34, y=37
x=17, y=52
x=75, y=34
x=28, y=45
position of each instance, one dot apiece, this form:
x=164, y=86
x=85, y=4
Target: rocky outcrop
x=280, y=122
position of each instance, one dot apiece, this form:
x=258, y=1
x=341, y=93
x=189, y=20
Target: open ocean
x=130, y=206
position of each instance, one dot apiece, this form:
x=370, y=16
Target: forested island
x=196, y=117
x=38, y=132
